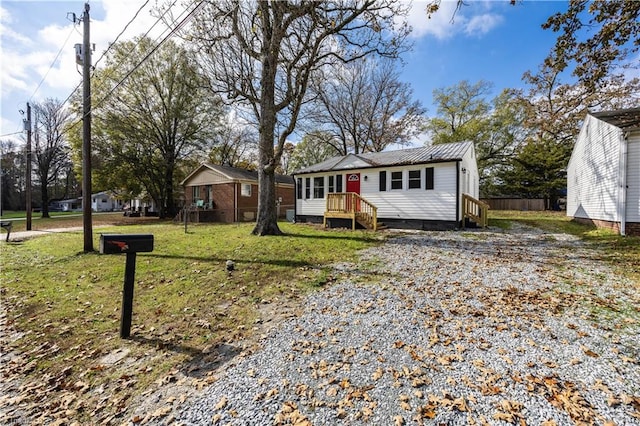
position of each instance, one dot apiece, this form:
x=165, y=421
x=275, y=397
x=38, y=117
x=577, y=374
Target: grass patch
x=184, y=299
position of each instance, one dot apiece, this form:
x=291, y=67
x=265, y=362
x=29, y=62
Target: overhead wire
x=122, y=32
x=64, y=44
x=172, y=31
x=116, y=40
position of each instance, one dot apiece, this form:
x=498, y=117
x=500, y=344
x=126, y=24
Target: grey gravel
x=482, y=327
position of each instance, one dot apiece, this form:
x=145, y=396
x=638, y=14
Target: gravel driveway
x=482, y=327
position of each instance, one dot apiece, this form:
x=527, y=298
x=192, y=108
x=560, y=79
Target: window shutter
x=429, y=184
x=383, y=180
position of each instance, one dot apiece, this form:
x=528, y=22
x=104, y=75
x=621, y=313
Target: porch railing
x=475, y=210
x=351, y=206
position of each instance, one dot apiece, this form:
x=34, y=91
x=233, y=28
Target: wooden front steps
x=349, y=205
x=475, y=210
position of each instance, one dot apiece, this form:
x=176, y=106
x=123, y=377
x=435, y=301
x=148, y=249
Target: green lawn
x=184, y=301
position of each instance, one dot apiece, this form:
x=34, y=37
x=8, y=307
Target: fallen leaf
x=222, y=403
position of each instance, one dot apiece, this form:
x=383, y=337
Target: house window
x=429, y=184
x=415, y=179
x=338, y=183
x=396, y=180
x=299, y=188
x=195, y=192
x=245, y=191
x=331, y=185
x=383, y=180
x=104, y=200
x=307, y=188
x=318, y=187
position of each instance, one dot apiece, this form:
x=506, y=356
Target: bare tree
x=234, y=145
x=364, y=107
x=262, y=54
x=51, y=154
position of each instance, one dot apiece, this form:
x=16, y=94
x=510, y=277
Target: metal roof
x=622, y=118
x=423, y=155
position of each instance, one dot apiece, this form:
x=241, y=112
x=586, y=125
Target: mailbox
x=125, y=243
x=129, y=244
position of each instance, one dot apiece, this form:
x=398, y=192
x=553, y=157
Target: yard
x=60, y=339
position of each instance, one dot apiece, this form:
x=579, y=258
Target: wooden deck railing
x=352, y=206
x=475, y=210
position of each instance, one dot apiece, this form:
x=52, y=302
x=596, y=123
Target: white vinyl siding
x=593, y=172
x=411, y=204
x=311, y=204
x=633, y=177
x=438, y=204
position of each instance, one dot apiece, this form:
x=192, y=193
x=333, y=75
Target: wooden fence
x=520, y=204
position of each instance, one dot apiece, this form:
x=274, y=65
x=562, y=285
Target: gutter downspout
x=622, y=195
x=295, y=198
x=235, y=202
x=458, y=194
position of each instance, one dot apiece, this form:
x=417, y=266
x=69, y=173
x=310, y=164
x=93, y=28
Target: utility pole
x=86, y=133
x=27, y=125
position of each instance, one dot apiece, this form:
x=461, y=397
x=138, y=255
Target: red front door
x=353, y=182
x=353, y=185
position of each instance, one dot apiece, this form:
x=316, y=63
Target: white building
x=105, y=202
x=603, y=176
x=421, y=188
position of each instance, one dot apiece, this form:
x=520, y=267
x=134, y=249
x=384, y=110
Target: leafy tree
x=51, y=151
x=537, y=171
x=12, y=176
x=263, y=53
x=151, y=113
x=597, y=37
x=495, y=127
x=364, y=107
x=463, y=112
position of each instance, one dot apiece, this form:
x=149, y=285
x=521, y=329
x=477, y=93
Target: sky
x=488, y=40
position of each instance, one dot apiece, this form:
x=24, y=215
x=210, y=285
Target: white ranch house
x=603, y=175
x=433, y=187
x=105, y=201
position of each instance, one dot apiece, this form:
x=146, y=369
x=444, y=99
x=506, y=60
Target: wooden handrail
x=475, y=210
x=354, y=206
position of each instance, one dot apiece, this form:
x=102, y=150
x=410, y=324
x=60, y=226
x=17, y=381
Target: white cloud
x=482, y=24
x=472, y=19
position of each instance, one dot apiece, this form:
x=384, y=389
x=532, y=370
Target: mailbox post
x=129, y=244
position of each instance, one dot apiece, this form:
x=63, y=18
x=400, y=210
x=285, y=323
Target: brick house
x=228, y=194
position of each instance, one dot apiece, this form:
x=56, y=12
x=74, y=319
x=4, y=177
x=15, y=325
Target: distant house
x=69, y=205
x=603, y=176
x=229, y=194
x=105, y=201
x=425, y=188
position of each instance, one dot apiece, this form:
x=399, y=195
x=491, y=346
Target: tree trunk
x=45, y=200
x=267, y=220
x=168, y=208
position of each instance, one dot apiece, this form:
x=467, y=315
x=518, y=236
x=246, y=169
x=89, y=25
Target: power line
x=122, y=32
x=111, y=45
x=172, y=31
x=184, y=21
x=10, y=134
x=52, y=64
x=136, y=43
